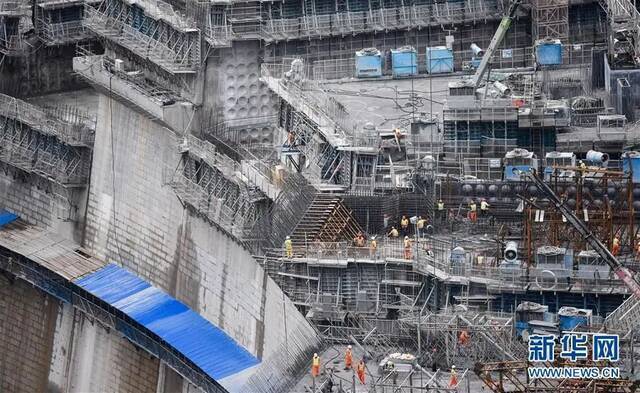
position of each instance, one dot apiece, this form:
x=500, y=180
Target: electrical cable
x=113, y=176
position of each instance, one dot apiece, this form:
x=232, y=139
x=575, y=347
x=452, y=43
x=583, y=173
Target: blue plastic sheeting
x=6, y=217
x=204, y=344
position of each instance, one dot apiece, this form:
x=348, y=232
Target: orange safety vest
x=464, y=337
x=348, y=358
x=453, y=381
x=404, y=223
x=361, y=372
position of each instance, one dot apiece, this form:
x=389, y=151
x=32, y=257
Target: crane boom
x=619, y=269
x=495, y=41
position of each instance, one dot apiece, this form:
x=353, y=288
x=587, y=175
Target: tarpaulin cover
x=6, y=217
x=204, y=344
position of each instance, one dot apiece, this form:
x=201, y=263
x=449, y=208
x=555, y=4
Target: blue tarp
x=204, y=344
x=6, y=217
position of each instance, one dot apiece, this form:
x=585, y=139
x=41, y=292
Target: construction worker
x=484, y=207
x=348, y=358
x=473, y=213
x=359, y=240
x=638, y=246
x=404, y=225
x=582, y=165
x=463, y=338
x=288, y=247
x=360, y=371
x=373, y=247
x=615, y=249
x=442, y=213
x=420, y=225
x=315, y=365
x=393, y=232
x=453, y=381
x=407, y=247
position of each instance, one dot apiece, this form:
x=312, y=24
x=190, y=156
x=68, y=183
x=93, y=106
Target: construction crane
x=618, y=268
x=495, y=41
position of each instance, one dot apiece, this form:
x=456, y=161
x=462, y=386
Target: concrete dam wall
x=133, y=219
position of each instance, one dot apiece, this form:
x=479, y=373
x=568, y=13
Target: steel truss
x=550, y=19
x=153, y=32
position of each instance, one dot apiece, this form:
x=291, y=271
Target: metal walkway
x=146, y=316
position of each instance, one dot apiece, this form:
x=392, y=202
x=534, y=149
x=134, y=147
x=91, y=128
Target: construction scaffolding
x=623, y=16
x=550, y=19
x=13, y=30
x=339, y=23
x=37, y=143
x=207, y=182
x=151, y=30
x=59, y=22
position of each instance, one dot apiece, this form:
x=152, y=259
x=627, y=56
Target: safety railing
x=311, y=99
x=55, y=33
x=38, y=119
x=380, y=19
x=434, y=258
x=184, y=56
x=15, y=7
x=572, y=55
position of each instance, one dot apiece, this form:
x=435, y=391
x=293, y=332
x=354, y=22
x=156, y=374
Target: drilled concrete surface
x=237, y=94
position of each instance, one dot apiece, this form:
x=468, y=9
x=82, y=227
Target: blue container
x=548, y=52
x=404, y=61
x=439, y=60
x=368, y=63
x=631, y=164
x=570, y=317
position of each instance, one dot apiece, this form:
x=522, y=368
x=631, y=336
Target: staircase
x=327, y=220
x=293, y=201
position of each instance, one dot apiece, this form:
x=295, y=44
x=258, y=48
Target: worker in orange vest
x=348, y=358
x=453, y=381
x=315, y=365
x=615, y=249
x=463, y=338
x=360, y=371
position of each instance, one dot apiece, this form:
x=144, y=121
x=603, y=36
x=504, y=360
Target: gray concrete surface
x=133, y=218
